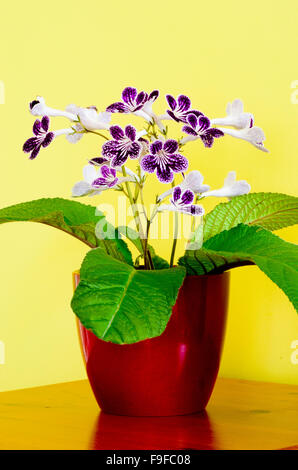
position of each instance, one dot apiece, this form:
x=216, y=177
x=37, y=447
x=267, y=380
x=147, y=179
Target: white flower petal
x=236, y=117
x=81, y=189
x=237, y=107
x=193, y=181
x=140, y=133
x=89, y=173
x=230, y=179
x=142, y=114
x=72, y=108
x=231, y=187
x=164, y=195
x=254, y=135
x=167, y=207
x=105, y=117
x=74, y=138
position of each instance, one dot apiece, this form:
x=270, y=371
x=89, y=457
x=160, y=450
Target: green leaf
x=243, y=245
x=79, y=220
x=133, y=236
x=271, y=211
x=158, y=262
x=121, y=304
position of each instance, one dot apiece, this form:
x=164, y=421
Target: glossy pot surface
x=173, y=374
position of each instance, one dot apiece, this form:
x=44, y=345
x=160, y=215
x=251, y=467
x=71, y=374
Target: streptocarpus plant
x=117, y=298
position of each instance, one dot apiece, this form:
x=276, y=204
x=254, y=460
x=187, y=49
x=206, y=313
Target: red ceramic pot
x=172, y=374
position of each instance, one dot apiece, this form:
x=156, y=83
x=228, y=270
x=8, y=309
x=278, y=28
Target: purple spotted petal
x=207, y=140
x=117, y=108
x=189, y=130
x=187, y=197
x=48, y=139
x=170, y=146
x=172, y=115
x=99, y=182
x=134, y=150
x=113, y=172
x=214, y=132
x=110, y=149
x=98, y=161
x=176, y=193
x=45, y=122
x=178, y=163
x=172, y=102
x=35, y=152
x=30, y=144
x=105, y=171
x=141, y=97
x=36, y=127
x=183, y=102
x=156, y=147
x=113, y=183
x=204, y=123
x=153, y=95
x=149, y=163
x=164, y=174
x=119, y=160
x=33, y=103
x=129, y=94
x=195, y=112
x=130, y=132
x=137, y=108
x=192, y=120
x=193, y=210
x=116, y=132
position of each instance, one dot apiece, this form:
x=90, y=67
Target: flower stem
x=175, y=235
x=98, y=133
x=148, y=264
x=174, y=240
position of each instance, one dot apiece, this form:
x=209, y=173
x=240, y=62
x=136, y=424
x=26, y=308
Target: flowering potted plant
x=152, y=329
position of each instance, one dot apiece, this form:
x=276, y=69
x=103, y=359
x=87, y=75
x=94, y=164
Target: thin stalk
x=147, y=253
x=137, y=219
x=174, y=240
x=98, y=133
x=175, y=235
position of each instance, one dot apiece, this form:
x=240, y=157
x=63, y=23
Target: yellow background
x=87, y=52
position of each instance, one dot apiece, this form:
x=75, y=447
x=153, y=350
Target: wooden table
x=240, y=415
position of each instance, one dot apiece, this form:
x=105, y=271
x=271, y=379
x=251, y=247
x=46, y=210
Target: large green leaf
x=248, y=245
x=272, y=211
x=121, y=304
x=79, y=220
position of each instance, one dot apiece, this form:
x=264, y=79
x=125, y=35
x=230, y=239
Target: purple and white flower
x=135, y=103
x=236, y=116
x=254, y=135
x=182, y=201
x=179, y=109
x=82, y=119
x=164, y=160
x=231, y=187
x=200, y=127
x=97, y=180
x=193, y=181
x=124, y=144
x=42, y=137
